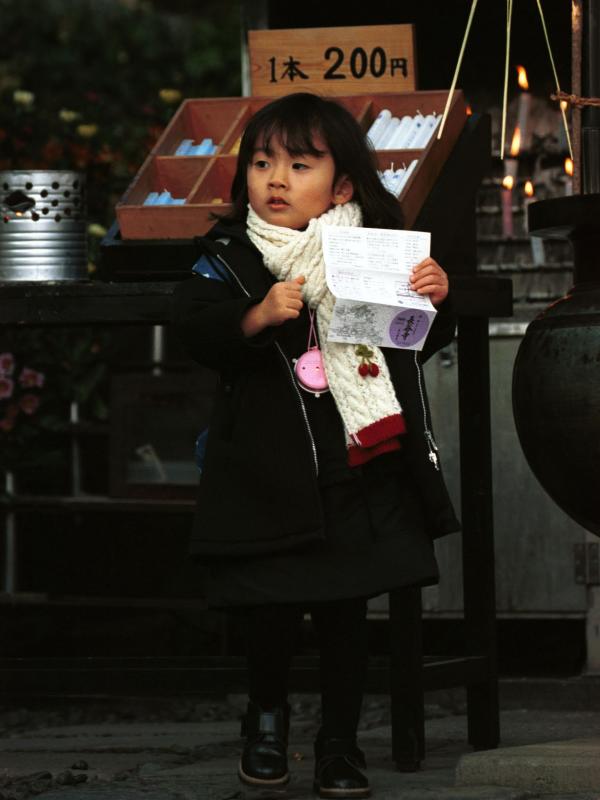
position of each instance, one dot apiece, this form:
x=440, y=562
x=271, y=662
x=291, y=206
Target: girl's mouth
x=277, y=202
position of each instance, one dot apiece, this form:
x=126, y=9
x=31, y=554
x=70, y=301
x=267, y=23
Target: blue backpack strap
x=208, y=265
x=204, y=266
x=201, y=448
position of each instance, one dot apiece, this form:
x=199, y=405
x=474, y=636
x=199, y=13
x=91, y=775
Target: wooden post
x=9, y=581
x=576, y=38
x=477, y=525
x=406, y=679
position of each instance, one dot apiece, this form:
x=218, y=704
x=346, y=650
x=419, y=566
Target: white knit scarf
x=367, y=405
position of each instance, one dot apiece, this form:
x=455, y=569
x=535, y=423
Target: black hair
x=296, y=120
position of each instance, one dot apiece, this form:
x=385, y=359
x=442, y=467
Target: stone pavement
x=189, y=752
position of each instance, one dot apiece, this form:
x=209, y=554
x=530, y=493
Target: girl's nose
x=277, y=178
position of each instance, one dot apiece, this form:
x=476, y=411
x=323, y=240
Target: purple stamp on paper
x=408, y=327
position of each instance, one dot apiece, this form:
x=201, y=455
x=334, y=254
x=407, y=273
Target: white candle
x=388, y=178
x=406, y=177
x=378, y=127
x=538, y=252
x=424, y=134
x=395, y=143
x=413, y=131
x=507, y=218
x=523, y=118
x=568, y=177
x=524, y=107
x=510, y=173
x=388, y=134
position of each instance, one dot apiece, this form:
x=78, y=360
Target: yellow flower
x=170, y=95
x=95, y=229
x=23, y=98
x=67, y=115
x=87, y=131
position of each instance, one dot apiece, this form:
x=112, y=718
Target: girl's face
x=289, y=190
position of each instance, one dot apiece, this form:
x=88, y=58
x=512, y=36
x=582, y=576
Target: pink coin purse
x=309, y=369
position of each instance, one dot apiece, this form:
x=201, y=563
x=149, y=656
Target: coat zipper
x=431, y=445
x=289, y=369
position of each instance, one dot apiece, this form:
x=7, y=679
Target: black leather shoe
x=337, y=769
x=264, y=759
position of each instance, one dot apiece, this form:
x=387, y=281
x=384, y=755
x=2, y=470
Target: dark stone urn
x=556, y=379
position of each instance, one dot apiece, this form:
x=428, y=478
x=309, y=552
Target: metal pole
x=590, y=79
x=576, y=42
x=75, y=451
x=158, y=349
x=9, y=583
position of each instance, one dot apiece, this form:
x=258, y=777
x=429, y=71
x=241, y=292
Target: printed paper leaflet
x=368, y=271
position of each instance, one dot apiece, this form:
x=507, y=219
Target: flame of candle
x=522, y=79
x=563, y=105
x=529, y=188
x=469, y=110
x=569, y=166
x=515, y=145
x=508, y=182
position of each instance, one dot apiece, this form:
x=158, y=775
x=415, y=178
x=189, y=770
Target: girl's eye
x=299, y=166
x=261, y=163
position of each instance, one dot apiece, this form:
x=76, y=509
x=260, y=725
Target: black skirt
x=375, y=542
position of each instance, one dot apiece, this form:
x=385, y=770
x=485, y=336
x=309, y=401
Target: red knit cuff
x=360, y=455
x=380, y=431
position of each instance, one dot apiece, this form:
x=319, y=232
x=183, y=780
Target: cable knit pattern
x=368, y=405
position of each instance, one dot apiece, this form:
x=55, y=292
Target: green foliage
x=89, y=85
x=82, y=83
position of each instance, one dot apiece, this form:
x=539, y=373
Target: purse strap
x=312, y=333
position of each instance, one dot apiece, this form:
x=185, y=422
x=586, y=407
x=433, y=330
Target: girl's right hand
x=283, y=301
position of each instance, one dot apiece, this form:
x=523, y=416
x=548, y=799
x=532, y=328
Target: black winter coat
x=259, y=491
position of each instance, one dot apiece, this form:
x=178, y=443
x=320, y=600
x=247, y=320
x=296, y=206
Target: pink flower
x=6, y=387
x=29, y=403
x=30, y=378
x=7, y=363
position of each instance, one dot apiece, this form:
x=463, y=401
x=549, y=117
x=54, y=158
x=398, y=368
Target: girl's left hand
x=429, y=278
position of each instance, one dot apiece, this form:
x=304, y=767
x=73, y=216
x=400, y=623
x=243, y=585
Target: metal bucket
x=43, y=226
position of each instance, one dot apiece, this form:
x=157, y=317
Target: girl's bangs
x=295, y=132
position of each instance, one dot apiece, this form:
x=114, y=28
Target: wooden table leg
x=406, y=679
x=477, y=526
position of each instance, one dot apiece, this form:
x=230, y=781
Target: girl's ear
x=343, y=191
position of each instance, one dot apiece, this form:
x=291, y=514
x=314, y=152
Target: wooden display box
x=204, y=181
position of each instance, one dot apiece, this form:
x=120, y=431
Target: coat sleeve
x=206, y=317
x=442, y=331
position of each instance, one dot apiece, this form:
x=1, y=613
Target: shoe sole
x=248, y=779
x=337, y=793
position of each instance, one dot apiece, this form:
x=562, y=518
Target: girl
x=307, y=502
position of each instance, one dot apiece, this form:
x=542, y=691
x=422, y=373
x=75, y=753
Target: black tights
x=341, y=628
